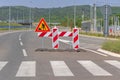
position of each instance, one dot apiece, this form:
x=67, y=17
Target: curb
x=109, y=53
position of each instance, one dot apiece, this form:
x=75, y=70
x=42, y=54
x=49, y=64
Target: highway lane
x=20, y=61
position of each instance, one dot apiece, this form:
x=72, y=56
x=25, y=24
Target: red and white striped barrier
x=45, y=34
x=55, y=36
x=65, y=34
x=60, y=34
x=75, y=38
x=55, y=42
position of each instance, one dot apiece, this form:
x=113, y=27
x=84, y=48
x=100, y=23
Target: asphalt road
x=21, y=59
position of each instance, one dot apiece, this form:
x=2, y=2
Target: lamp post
x=75, y=16
x=30, y=20
x=9, y=17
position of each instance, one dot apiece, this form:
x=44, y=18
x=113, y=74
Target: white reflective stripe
x=60, y=68
x=2, y=64
x=94, y=68
x=47, y=34
x=113, y=63
x=27, y=69
x=67, y=34
x=55, y=43
x=39, y=33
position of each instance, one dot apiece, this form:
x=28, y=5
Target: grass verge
x=113, y=46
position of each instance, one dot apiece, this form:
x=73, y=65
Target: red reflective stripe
x=42, y=34
x=56, y=46
x=71, y=34
x=50, y=35
x=55, y=38
x=76, y=46
x=75, y=38
x=62, y=34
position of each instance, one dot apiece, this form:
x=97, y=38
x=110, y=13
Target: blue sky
x=55, y=3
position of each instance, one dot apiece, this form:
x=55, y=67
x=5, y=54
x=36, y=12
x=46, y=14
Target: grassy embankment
x=7, y=24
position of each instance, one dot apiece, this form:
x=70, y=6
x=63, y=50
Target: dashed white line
x=20, y=37
x=24, y=52
x=21, y=43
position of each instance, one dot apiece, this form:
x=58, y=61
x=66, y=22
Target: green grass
x=7, y=24
x=113, y=46
x=92, y=34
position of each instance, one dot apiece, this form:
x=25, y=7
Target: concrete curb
x=109, y=53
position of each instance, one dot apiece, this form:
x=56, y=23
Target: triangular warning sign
x=42, y=26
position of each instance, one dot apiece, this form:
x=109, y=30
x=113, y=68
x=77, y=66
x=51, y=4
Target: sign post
x=42, y=27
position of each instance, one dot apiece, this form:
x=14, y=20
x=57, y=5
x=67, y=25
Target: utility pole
x=91, y=17
x=49, y=17
x=9, y=17
x=95, y=16
x=106, y=20
x=30, y=21
x=75, y=16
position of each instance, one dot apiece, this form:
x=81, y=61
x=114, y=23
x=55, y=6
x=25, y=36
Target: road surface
x=20, y=60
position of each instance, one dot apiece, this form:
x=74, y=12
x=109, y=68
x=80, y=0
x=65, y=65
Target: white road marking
x=60, y=68
x=109, y=53
x=21, y=43
x=20, y=37
x=94, y=68
x=27, y=69
x=113, y=63
x=94, y=52
x=2, y=64
x=24, y=52
x=67, y=42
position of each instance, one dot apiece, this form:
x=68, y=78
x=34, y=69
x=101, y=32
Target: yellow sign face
x=42, y=26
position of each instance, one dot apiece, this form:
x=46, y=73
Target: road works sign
x=42, y=26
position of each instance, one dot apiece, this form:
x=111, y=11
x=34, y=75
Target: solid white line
x=109, y=53
x=113, y=63
x=60, y=68
x=27, y=69
x=67, y=42
x=94, y=68
x=21, y=43
x=24, y=52
x=2, y=64
x=94, y=52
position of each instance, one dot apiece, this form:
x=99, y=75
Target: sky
x=56, y=3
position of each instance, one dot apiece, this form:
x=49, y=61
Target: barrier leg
x=75, y=38
x=55, y=36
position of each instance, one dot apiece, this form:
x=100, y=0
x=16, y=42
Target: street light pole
x=30, y=19
x=49, y=17
x=75, y=16
x=9, y=17
x=95, y=16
